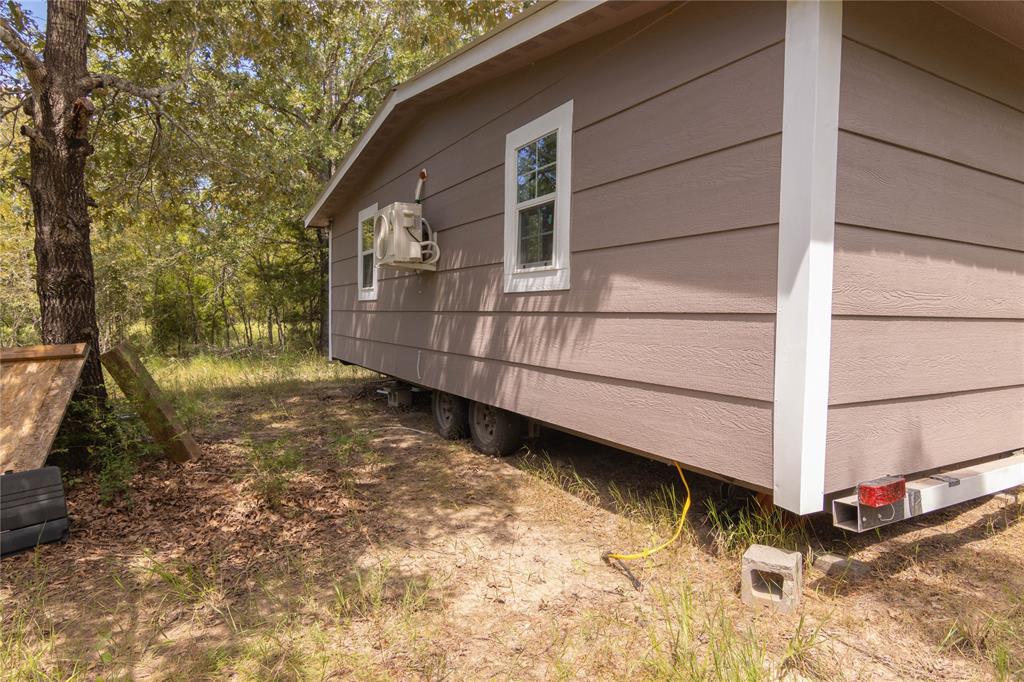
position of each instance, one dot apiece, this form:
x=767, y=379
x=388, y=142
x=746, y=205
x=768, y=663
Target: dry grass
x=325, y=537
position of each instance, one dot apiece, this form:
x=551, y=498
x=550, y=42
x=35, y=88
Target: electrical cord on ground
x=620, y=558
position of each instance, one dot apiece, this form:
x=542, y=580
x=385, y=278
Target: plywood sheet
x=36, y=383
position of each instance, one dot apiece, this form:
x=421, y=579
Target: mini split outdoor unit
x=404, y=238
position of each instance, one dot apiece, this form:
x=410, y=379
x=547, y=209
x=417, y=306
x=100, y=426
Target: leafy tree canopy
x=199, y=197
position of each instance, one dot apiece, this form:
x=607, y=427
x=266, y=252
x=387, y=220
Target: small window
x=537, y=195
x=366, y=259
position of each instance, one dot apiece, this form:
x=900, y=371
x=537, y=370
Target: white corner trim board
x=807, y=200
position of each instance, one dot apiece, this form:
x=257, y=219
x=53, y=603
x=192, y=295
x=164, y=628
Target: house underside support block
x=771, y=578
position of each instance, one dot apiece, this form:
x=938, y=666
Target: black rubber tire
x=451, y=415
x=495, y=431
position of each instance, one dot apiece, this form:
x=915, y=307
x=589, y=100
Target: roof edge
x=517, y=30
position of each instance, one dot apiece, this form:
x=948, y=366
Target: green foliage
x=380, y=591
x=753, y=524
x=687, y=643
x=197, y=230
x=995, y=637
x=113, y=444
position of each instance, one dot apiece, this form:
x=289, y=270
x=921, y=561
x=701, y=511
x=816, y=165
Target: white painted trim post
x=330, y=291
x=807, y=200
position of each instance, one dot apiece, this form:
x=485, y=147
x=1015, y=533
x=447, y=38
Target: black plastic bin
x=32, y=509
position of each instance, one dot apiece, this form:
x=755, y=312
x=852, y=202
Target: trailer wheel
x=495, y=431
x=451, y=415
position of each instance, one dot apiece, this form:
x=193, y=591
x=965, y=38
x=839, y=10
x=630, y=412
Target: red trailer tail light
x=882, y=491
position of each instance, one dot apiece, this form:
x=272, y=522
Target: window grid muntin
x=531, y=166
x=540, y=160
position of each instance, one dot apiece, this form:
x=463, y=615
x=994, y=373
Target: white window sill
x=367, y=295
x=537, y=279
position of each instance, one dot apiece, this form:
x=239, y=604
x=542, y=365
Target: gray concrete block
x=772, y=578
x=838, y=566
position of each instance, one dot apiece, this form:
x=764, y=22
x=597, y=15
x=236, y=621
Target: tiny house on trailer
x=777, y=243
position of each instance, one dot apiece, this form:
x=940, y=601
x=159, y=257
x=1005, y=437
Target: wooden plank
x=892, y=101
x=869, y=440
x=44, y=352
x=889, y=273
x=723, y=272
x=730, y=436
x=886, y=358
x=940, y=42
x=138, y=386
x=34, y=394
x=728, y=355
x=879, y=185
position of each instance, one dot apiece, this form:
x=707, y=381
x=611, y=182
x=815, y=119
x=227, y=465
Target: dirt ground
x=326, y=536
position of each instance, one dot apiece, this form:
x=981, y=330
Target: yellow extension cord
x=679, y=529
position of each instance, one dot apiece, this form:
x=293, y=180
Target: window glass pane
x=536, y=235
x=546, y=148
x=526, y=158
x=367, y=259
x=526, y=186
x=546, y=181
x=367, y=234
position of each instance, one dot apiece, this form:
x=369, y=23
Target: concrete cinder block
x=838, y=566
x=772, y=578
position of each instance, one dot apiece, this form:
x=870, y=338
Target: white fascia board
x=528, y=27
x=807, y=200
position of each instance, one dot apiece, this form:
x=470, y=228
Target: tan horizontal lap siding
x=878, y=272
x=927, y=364
x=889, y=357
x=724, y=436
x=732, y=189
x=663, y=343
x=729, y=355
x=868, y=440
x=722, y=272
x=661, y=52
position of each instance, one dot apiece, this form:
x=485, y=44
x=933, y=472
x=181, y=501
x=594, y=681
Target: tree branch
x=33, y=134
x=108, y=80
x=153, y=94
x=29, y=60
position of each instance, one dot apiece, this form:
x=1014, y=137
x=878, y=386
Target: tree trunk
x=57, y=152
x=280, y=327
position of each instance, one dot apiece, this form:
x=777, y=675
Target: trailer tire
x=451, y=415
x=495, y=431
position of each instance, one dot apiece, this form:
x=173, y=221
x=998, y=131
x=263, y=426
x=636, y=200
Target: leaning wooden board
x=135, y=381
x=36, y=383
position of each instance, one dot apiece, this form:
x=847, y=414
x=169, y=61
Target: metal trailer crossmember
x=931, y=493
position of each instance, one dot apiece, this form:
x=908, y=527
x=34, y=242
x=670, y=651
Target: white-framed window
x=538, y=191
x=366, y=260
